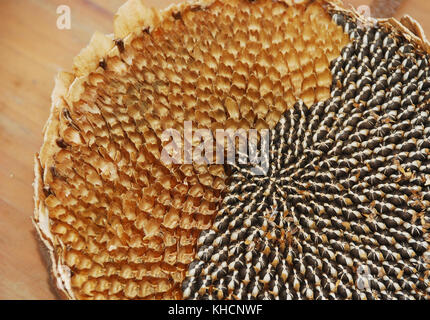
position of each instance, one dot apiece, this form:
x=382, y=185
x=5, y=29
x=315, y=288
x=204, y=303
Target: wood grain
x=32, y=51
x=418, y=9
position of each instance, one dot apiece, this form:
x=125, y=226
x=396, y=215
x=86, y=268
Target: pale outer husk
x=129, y=22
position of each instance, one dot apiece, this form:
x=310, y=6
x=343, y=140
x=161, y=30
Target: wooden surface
x=32, y=51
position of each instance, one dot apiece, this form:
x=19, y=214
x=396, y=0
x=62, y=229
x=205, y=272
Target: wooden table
x=32, y=51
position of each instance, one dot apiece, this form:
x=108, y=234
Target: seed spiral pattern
x=120, y=223
x=344, y=210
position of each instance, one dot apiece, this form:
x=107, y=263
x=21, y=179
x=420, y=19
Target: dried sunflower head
x=120, y=223
x=344, y=211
